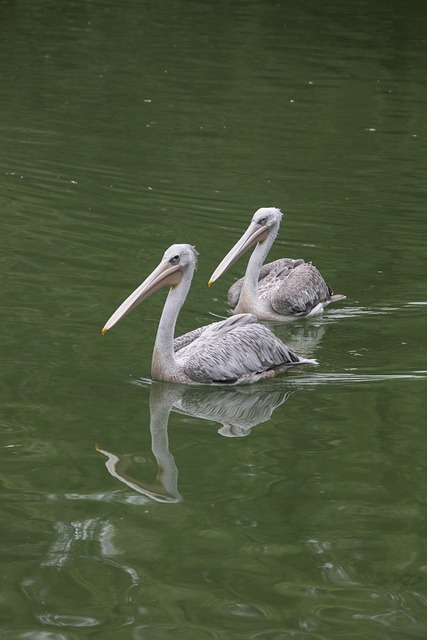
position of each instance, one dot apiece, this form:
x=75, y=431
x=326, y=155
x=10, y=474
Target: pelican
x=280, y=290
x=237, y=350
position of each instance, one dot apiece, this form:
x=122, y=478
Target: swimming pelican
x=280, y=290
x=237, y=350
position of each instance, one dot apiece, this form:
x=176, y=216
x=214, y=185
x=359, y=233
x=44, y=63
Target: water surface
x=291, y=509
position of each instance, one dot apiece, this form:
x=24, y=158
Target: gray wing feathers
x=299, y=291
x=187, y=338
x=228, y=351
x=292, y=287
x=284, y=266
x=214, y=328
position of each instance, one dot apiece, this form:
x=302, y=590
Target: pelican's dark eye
x=174, y=260
x=262, y=220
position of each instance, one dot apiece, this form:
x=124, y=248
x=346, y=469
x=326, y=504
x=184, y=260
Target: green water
x=135, y=510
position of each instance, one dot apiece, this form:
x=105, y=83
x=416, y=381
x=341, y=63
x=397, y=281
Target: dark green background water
x=127, y=126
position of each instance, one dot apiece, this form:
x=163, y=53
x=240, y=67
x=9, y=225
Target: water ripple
x=402, y=622
x=63, y=620
x=338, y=378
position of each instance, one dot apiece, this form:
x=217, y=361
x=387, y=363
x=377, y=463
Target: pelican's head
x=268, y=217
x=184, y=255
x=265, y=224
x=177, y=260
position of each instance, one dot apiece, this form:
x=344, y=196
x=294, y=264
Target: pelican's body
x=237, y=350
x=281, y=290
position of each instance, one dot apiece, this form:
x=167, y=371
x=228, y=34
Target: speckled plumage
x=290, y=287
x=233, y=351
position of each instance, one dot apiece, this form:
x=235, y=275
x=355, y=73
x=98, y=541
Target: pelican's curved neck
x=161, y=403
x=163, y=363
x=250, y=283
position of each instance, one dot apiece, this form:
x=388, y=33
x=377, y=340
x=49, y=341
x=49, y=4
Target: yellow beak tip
x=209, y=283
x=104, y=331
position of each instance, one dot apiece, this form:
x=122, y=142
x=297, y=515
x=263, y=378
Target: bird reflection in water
x=238, y=410
x=304, y=336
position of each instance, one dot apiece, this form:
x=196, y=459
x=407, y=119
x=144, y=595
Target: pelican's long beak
x=163, y=275
x=253, y=234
